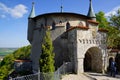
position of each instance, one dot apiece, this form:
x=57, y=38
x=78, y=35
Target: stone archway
x=93, y=60
x=87, y=62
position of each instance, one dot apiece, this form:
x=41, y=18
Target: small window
x=67, y=25
x=60, y=22
x=81, y=24
x=53, y=26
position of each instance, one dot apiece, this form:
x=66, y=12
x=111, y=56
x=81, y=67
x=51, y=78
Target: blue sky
x=14, y=15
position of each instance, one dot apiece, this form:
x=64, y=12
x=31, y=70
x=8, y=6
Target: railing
x=65, y=68
x=27, y=77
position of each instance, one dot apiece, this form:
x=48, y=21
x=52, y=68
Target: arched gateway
x=93, y=60
x=76, y=39
x=89, y=51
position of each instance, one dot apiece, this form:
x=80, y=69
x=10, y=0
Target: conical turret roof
x=91, y=13
x=32, y=13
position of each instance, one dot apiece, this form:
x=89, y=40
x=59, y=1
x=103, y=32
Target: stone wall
x=22, y=65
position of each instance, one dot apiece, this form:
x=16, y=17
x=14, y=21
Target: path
x=99, y=76
x=90, y=76
x=75, y=77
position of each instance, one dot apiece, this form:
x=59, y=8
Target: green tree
x=22, y=53
x=100, y=17
x=113, y=38
x=115, y=20
x=47, y=56
x=115, y=23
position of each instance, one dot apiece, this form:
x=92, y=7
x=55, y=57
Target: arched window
x=67, y=25
x=53, y=26
x=60, y=22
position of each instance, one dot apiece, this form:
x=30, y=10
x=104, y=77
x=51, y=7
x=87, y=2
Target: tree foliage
x=113, y=38
x=115, y=20
x=100, y=17
x=47, y=56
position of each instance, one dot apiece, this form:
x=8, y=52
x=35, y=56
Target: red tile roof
x=18, y=60
x=92, y=21
x=102, y=30
x=79, y=27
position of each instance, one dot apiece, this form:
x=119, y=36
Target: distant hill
x=5, y=51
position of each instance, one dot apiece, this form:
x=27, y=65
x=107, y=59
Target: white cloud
x=17, y=12
x=112, y=12
x=4, y=7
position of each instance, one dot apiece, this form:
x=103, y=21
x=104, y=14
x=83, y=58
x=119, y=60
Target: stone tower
x=35, y=40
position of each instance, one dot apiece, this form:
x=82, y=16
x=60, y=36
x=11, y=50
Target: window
x=60, y=22
x=53, y=26
x=67, y=25
x=81, y=24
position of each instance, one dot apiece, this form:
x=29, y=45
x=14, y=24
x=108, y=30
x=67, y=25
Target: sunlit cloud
x=112, y=12
x=17, y=11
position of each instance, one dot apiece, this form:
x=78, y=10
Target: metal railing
x=64, y=69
